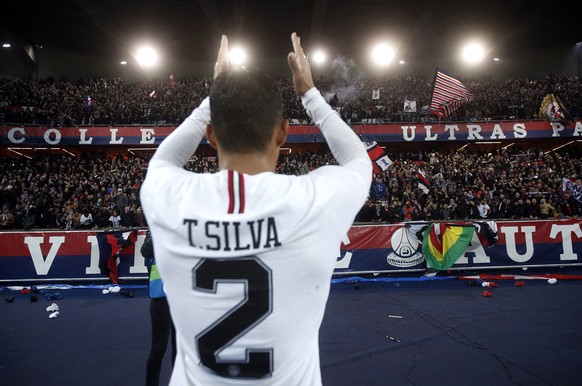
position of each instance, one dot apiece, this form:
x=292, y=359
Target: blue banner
x=54, y=256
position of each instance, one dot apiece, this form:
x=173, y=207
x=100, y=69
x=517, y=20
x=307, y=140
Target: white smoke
x=344, y=68
x=347, y=77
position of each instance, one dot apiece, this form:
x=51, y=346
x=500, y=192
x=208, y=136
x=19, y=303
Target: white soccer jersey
x=247, y=260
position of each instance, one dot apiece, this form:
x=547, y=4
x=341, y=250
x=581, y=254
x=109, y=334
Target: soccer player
x=247, y=255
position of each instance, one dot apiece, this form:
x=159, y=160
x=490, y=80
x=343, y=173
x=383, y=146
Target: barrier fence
x=53, y=256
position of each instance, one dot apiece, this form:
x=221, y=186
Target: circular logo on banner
x=405, y=247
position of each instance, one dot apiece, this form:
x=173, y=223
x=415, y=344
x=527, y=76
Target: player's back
x=246, y=262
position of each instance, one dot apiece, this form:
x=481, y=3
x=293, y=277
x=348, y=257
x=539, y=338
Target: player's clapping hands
x=302, y=78
x=223, y=61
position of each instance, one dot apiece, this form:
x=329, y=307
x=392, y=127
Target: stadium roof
x=191, y=29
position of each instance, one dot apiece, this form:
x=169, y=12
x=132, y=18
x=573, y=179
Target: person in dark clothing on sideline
x=161, y=320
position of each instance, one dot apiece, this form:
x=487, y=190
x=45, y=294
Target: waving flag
x=576, y=189
x=110, y=244
x=448, y=94
x=376, y=94
x=487, y=232
x=89, y=101
x=380, y=161
x=552, y=109
x=409, y=106
x=423, y=182
x=443, y=244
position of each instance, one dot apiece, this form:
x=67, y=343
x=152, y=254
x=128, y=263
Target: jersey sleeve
x=343, y=189
x=344, y=144
x=181, y=144
x=167, y=164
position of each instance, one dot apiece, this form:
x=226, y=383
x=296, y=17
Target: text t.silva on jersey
x=233, y=235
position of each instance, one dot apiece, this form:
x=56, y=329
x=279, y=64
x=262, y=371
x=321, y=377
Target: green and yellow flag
x=443, y=244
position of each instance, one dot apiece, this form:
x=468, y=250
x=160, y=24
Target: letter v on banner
x=380, y=161
x=42, y=265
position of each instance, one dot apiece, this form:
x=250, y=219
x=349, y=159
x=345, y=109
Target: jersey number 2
x=254, y=308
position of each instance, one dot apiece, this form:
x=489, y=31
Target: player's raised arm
x=302, y=78
x=343, y=142
x=222, y=61
x=179, y=146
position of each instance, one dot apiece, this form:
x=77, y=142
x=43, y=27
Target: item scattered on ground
x=53, y=296
x=126, y=294
x=114, y=289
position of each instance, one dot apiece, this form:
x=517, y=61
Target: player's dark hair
x=245, y=107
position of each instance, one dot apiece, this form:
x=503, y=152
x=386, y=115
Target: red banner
x=406, y=132
x=76, y=255
x=51, y=255
x=398, y=247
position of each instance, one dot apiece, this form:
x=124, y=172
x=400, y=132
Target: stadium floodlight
x=496, y=59
x=146, y=56
x=319, y=57
x=6, y=45
x=473, y=53
x=401, y=62
x=382, y=54
x=123, y=62
x=237, y=56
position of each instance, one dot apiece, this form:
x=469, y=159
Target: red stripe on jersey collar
x=241, y=192
x=230, y=191
x=234, y=196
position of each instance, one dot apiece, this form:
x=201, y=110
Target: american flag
x=448, y=94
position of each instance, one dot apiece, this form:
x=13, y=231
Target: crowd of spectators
x=65, y=192
x=510, y=184
x=97, y=101
x=100, y=191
